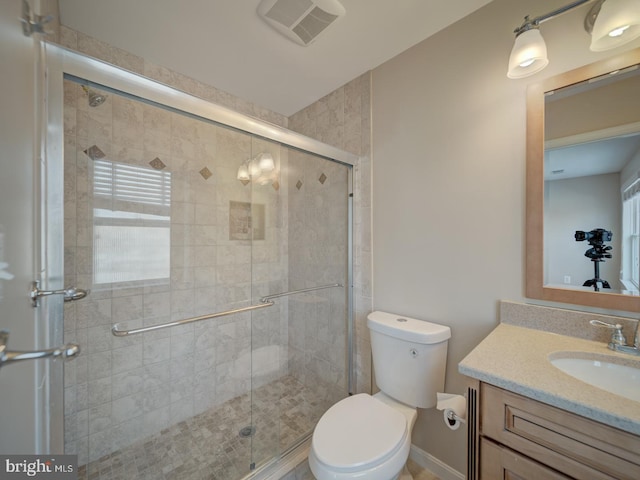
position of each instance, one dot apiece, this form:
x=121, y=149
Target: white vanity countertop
x=517, y=359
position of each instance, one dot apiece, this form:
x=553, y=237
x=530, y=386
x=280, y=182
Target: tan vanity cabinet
x=520, y=438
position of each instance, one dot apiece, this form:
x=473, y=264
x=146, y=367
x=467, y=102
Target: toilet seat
x=359, y=433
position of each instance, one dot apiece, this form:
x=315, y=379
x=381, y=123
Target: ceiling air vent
x=300, y=20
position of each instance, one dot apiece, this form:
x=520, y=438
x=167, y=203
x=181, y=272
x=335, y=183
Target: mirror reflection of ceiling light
x=265, y=162
x=243, y=172
x=611, y=23
x=261, y=169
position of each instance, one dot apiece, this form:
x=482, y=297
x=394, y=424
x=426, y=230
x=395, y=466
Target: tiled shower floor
x=208, y=446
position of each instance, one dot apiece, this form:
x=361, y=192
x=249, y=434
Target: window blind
x=122, y=184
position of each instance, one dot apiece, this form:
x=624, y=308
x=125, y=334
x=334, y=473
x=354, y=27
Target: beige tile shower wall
x=318, y=256
x=121, y=389
x=343, y=119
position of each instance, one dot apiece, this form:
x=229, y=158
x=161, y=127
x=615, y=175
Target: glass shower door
x=169, y=217
x=299, y=213
x=147, y=229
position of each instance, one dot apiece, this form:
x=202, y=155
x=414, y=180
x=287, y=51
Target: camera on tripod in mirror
x=596, y=239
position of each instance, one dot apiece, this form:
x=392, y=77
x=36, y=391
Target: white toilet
x=366, y=436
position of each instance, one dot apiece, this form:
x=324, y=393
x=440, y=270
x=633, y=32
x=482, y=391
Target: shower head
x=94, y=97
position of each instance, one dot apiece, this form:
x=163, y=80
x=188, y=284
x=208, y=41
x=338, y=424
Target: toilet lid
x=357, y=431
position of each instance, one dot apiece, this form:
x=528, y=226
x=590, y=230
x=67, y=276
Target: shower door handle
x=69, y=350
x=71, y=294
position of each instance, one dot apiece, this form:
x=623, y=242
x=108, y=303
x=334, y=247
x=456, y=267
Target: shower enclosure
x=216, y=329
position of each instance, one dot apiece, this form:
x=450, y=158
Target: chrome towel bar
x=123, y=333
x=264, y=302
x=294, y=292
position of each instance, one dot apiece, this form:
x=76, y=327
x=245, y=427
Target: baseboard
x=431, y=463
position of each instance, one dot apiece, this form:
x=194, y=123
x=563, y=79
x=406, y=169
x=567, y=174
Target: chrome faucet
x=618, y=341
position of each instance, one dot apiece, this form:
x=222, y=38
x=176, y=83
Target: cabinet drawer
x=568, y=443
x=498, y=462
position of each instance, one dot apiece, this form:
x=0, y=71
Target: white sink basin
x=623, y=380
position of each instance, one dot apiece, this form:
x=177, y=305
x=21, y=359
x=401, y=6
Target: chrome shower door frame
x=61, y=62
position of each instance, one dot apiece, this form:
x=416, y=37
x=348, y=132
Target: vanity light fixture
x=243, y=172
x=611, y=23
x=615, y=23
x=529, y=54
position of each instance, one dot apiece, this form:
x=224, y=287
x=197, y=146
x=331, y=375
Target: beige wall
x=449, y=180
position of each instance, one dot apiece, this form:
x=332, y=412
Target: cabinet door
x=566, y=442
x=500, y=463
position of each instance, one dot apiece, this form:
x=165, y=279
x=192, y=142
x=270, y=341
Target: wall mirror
x=583, y=186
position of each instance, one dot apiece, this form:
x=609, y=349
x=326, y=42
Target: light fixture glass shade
x=254, y=168
x=266, y=162
x=529, y=54
x=617, y=23
x=243, y=172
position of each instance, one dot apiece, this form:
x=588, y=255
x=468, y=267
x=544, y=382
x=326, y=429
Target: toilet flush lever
x=70, y=293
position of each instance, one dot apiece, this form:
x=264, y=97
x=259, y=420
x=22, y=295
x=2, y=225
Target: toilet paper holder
x=455, y=408
x=452, y=417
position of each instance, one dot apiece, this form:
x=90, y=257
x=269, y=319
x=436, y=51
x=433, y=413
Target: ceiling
x=605, y=146
x=591, y=158
x=225, y=44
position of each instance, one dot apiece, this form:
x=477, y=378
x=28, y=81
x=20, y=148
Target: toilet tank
x=409, y=357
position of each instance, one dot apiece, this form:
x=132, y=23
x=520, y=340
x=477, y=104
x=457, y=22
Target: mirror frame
x=534, y=251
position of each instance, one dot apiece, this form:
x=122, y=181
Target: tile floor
x=420, y=473
x=302, y=472
x=208, y=446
